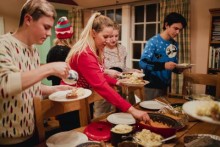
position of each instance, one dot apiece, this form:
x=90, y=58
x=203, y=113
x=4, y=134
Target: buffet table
x=192, y=127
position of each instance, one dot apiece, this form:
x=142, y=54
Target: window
x=146, y=24
x=115, y=14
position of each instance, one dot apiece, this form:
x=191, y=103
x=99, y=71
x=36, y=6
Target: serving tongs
x=168, y=105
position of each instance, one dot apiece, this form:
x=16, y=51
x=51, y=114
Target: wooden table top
x=193, y=127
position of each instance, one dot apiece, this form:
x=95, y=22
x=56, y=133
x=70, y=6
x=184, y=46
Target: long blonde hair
x=96, y=22
x=65, y=42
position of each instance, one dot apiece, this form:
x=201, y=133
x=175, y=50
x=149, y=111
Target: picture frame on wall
x=2, y=26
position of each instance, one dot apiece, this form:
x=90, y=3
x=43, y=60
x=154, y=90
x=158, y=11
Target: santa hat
x=63, y=28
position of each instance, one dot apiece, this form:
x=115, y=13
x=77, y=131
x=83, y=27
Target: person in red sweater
x=86, y=57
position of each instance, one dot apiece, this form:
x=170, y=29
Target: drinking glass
x=189, y=90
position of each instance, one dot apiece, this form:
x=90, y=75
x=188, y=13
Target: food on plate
x=138, y=74
x=122, y=129
x=134, y=77
x=210, y=109
x=204, y=97
x=148, y=138
x=74, y=93
x=132, y=74
x=157, y=124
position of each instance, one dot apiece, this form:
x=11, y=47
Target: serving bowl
x=171, y=129
x=121, y=133
x=90, y=144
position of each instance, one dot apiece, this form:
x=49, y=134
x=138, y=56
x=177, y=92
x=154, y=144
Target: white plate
x=184, y=65
x=60, y=96
x=191, y=108
x=151, y=105
x=121, y=118
x=136, y=84
x=66, y=139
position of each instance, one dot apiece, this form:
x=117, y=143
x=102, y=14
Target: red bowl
x=165, y=132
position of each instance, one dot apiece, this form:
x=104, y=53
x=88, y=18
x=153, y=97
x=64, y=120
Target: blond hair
x=66, y=42
x=97, y=22
x=116, y=26
x=37, y=9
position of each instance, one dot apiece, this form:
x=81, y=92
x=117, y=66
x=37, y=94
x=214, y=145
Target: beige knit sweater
x=16, y=106
x=115, y=57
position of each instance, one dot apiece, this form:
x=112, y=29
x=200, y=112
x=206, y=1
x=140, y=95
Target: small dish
x=121, y=133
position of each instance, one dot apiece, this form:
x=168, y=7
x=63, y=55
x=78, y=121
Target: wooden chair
x=45, y=108
x=91, y=99
x=131, y=92
x=204, y=79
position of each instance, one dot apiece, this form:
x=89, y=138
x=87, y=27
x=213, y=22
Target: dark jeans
x=28, y=143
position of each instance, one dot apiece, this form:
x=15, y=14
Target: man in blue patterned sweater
x=159, y=58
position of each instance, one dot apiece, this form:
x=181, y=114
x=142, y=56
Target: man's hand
x=170, y=65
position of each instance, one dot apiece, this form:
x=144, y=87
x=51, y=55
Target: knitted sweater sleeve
x=146, y=61
x=89, y=68
x=10, y=74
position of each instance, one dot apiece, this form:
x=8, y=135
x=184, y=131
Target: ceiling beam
x=67, y=2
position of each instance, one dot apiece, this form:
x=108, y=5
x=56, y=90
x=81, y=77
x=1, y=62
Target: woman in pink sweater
x=86, y=57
